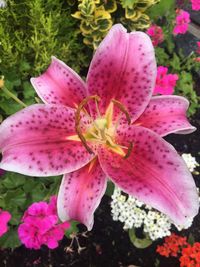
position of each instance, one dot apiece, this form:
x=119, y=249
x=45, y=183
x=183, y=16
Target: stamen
x=78, y=118
x=118, y=121
x=97, y=108
x=130, y=148
x=87, y=115
x=95, y=135
x=123, y=109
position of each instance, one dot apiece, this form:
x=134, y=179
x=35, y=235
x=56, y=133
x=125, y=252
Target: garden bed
x=107, y=244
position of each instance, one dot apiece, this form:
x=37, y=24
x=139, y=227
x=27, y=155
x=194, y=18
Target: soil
x=108, y=245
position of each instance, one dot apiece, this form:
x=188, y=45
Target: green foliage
x=163, y=8
x=73, y=229
x=17, y=192
x=110, y=188
x=185, y=66
x=139, y=242
x=10, y=239
x=185, y=87
x=128, y=3
x=95, y=21
x=136, y=17
x=97, y=17
x=30, y=33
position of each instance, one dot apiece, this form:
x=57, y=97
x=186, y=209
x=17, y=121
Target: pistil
x=102, y=130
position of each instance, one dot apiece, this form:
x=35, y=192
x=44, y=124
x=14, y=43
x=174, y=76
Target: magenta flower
x=198, y=48
x=195, y=5
x=40, y=226
x=108, y=127
x=165, y=83
x=5, y=217
x=182, y=22
x=156, y=34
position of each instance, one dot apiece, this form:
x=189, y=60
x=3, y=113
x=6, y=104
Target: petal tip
x=119, y=26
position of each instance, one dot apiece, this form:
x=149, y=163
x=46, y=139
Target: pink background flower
x=165, y=83
x=41, y=225
x=5, y=217
x=182, y=21
x=198, y=48
x=156, y=34
x=195, y=4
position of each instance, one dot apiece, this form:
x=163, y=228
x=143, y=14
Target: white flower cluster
x=134, y=213
x=3, y=4
x=190, y=161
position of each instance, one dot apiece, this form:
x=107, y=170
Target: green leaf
x=191, y=239
x=12, y=83
x=10, y=239
x=128, y=3
x=138, y=242
x=73, y=228
x=15, y=198
x=16, y=216
x=161, y=9
x=28, y=91
x=29, y=185
x=13, y=180
x=24, y=66
x=9, y=106
x=109, y=189
x=38, y=192
x=161, y=56
x=175, y=63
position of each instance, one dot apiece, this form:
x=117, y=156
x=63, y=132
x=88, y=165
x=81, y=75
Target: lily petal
x=80, y=194
x=60, y=85
x=36, y=141
x=123, y=68
x=154, y=173
x=165, y=115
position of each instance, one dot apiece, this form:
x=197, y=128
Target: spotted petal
x=36, y=141
x=123, y=68
x=80, y=194
x=165, y=115
x=60, y=85
x=154, y=173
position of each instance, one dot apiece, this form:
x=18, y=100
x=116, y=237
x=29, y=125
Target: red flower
x=190, y=256
x=172, y=246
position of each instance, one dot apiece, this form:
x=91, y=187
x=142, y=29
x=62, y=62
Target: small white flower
x=3, y=4
x=134, y=213
x=190, y=161
x=157, y=225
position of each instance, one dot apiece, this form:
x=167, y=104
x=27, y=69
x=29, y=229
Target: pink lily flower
x=109, y=127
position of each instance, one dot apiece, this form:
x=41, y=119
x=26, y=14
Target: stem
x=187, y=57
x=8, y=93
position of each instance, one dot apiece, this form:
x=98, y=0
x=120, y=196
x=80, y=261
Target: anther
x=123, y=109
x=78, y=119
x=128, y=153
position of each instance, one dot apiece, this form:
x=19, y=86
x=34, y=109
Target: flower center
x=102, y=129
